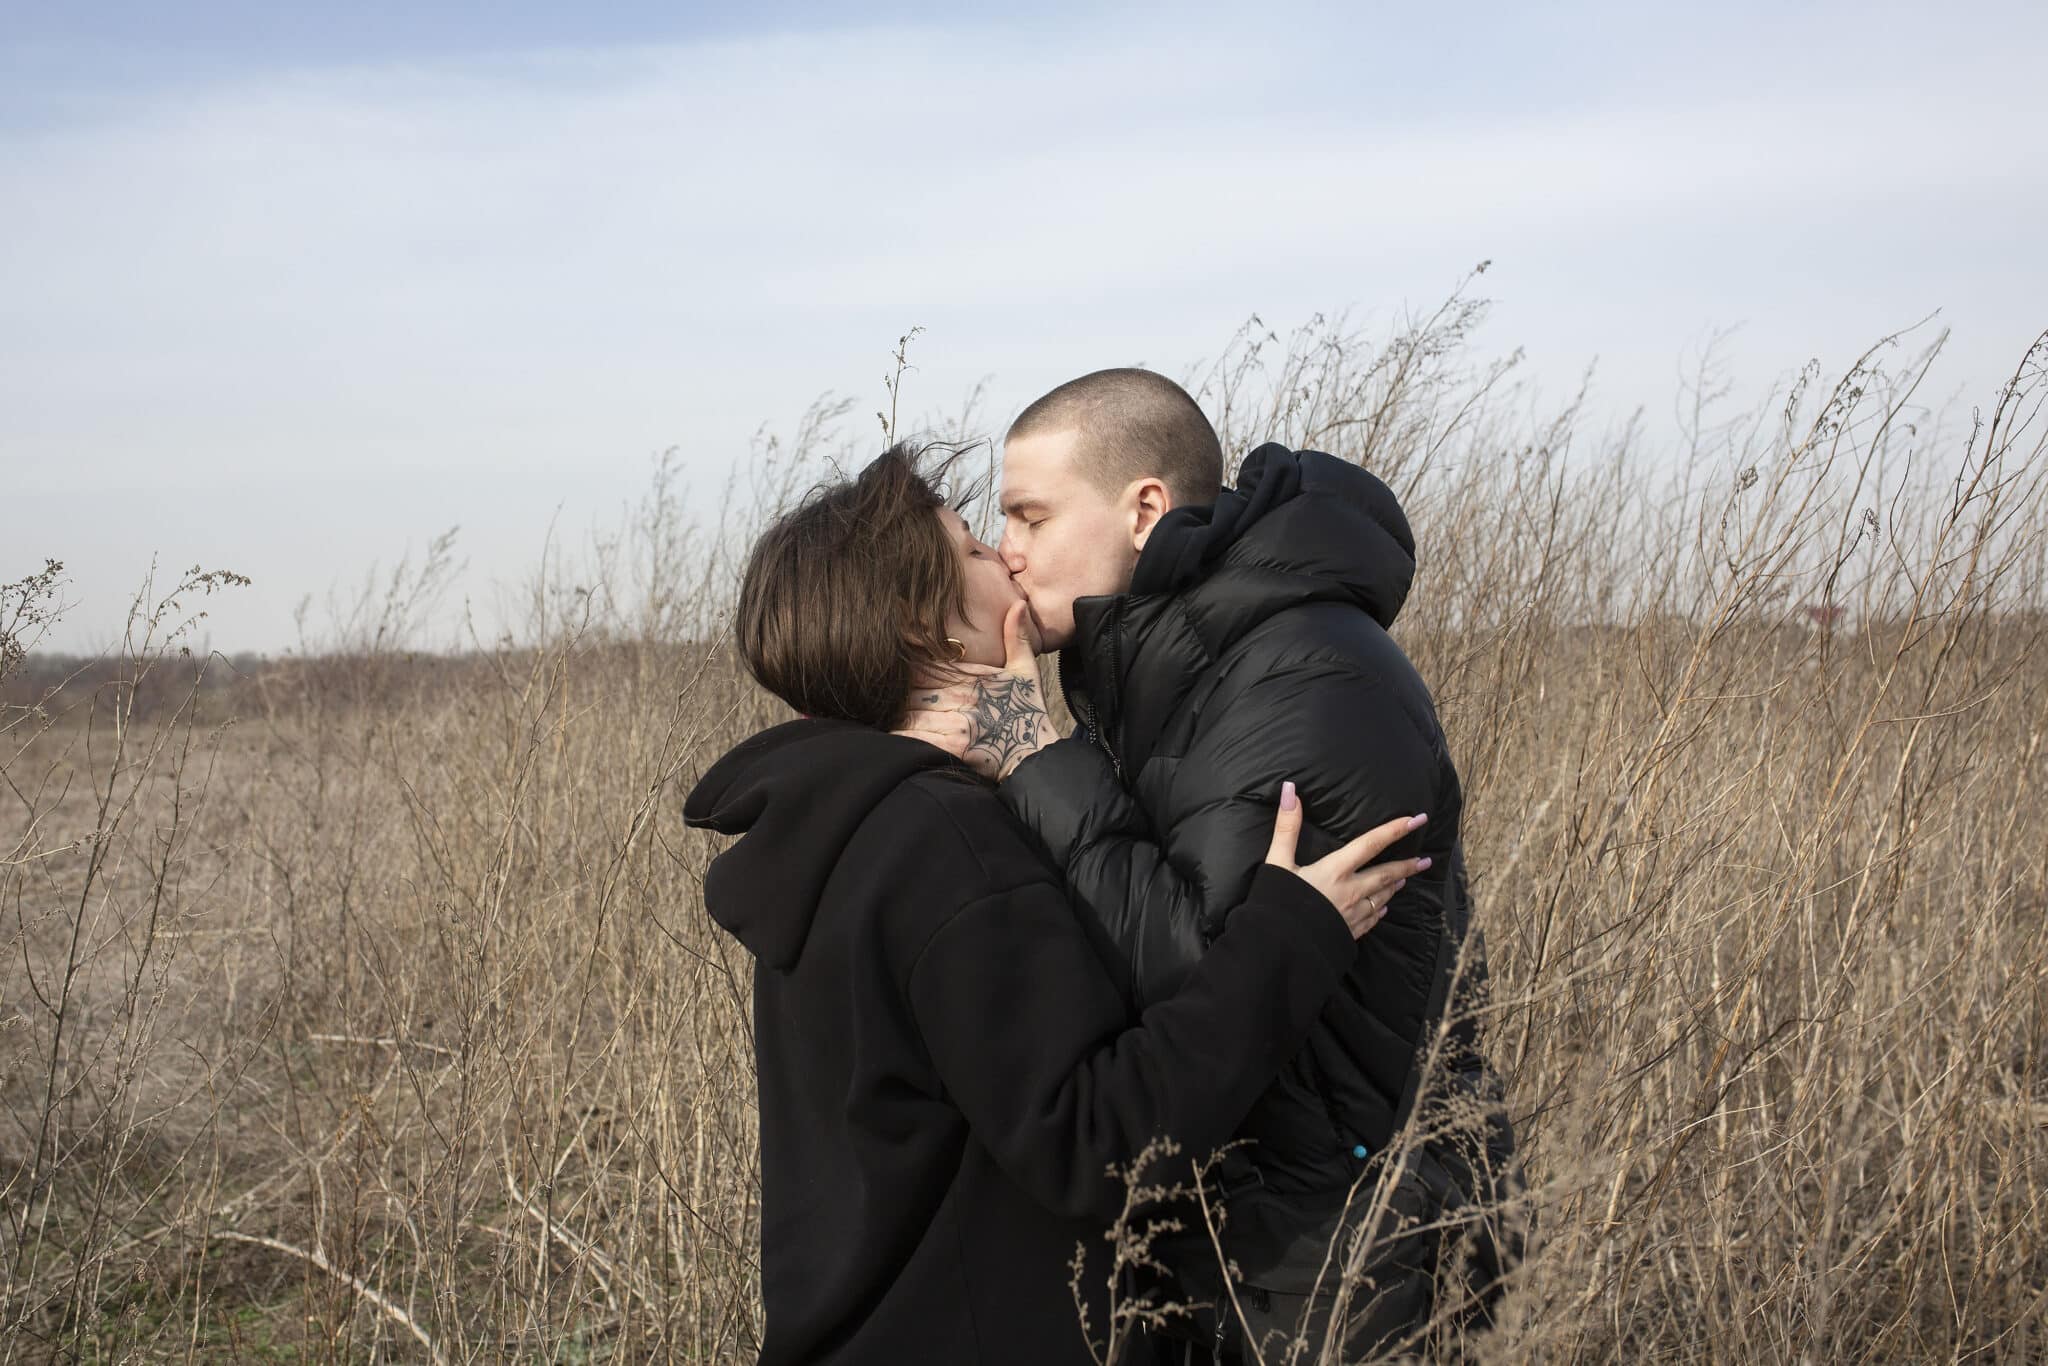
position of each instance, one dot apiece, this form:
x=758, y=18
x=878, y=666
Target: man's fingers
x=1380, y=838
x=1286, y=828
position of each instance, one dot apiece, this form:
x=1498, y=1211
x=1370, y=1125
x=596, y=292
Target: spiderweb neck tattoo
x=1005, y=719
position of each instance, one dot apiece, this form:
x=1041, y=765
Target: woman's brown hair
x=846, y=598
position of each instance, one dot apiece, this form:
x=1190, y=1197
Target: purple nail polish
x=1422, y=863
x=1417, y=822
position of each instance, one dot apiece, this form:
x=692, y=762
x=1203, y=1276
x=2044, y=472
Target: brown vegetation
x=377, y=1012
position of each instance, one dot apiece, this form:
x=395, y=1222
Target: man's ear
x=1150, y=500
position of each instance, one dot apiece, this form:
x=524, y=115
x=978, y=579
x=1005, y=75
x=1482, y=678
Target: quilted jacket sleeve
x=1163, y=878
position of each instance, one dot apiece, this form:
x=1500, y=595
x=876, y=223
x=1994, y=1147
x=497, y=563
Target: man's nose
x=1006, y=551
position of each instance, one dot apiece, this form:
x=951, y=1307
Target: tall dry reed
x=373, y=1011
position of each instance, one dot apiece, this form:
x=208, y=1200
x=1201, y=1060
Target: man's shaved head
x=1132, y=424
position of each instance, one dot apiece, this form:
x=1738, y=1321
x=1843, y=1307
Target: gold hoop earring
x=959, y=649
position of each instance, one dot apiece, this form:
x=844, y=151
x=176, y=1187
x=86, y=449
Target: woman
x=947, y=1063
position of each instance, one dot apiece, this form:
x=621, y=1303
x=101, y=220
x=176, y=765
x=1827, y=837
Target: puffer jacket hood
x=795, y=794
x=1300, y=526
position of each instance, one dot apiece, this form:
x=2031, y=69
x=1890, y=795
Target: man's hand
x=994, y=719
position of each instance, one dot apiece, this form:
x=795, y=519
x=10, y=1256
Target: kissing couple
x=995, y=963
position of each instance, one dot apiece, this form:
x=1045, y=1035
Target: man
x=1212, y=645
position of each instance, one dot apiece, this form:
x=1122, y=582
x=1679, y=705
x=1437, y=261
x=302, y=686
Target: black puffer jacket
x=1252, y=648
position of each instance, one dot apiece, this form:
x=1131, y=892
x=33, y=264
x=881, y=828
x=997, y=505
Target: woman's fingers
x=1378, y=883
x=1363, y=894
x=1362, y=913
x=1371, y=845
x=1384, y=879
x=1360, y=893
x=1021, y=659
x=1286, y=829
x=1379, y=839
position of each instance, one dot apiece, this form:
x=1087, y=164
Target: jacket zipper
x=1088, y=714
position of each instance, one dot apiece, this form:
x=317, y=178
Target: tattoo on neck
x=1004, y=722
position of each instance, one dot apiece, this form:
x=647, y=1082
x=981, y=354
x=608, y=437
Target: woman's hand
x=1360, y=893
x=994, y=719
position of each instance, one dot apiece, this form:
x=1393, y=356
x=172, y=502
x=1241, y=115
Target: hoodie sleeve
x=1162, y=882
x=1033, y=1040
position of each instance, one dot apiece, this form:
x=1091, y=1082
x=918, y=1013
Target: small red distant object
x=1828, y=615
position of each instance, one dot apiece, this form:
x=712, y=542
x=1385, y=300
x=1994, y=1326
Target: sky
x=290, y=290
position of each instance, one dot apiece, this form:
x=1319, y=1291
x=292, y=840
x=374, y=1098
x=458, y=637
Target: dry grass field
x=362, y=1005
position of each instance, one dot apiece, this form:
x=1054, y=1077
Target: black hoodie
x=947, y=1065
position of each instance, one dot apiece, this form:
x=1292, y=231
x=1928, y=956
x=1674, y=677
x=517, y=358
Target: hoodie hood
x=794, y=794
